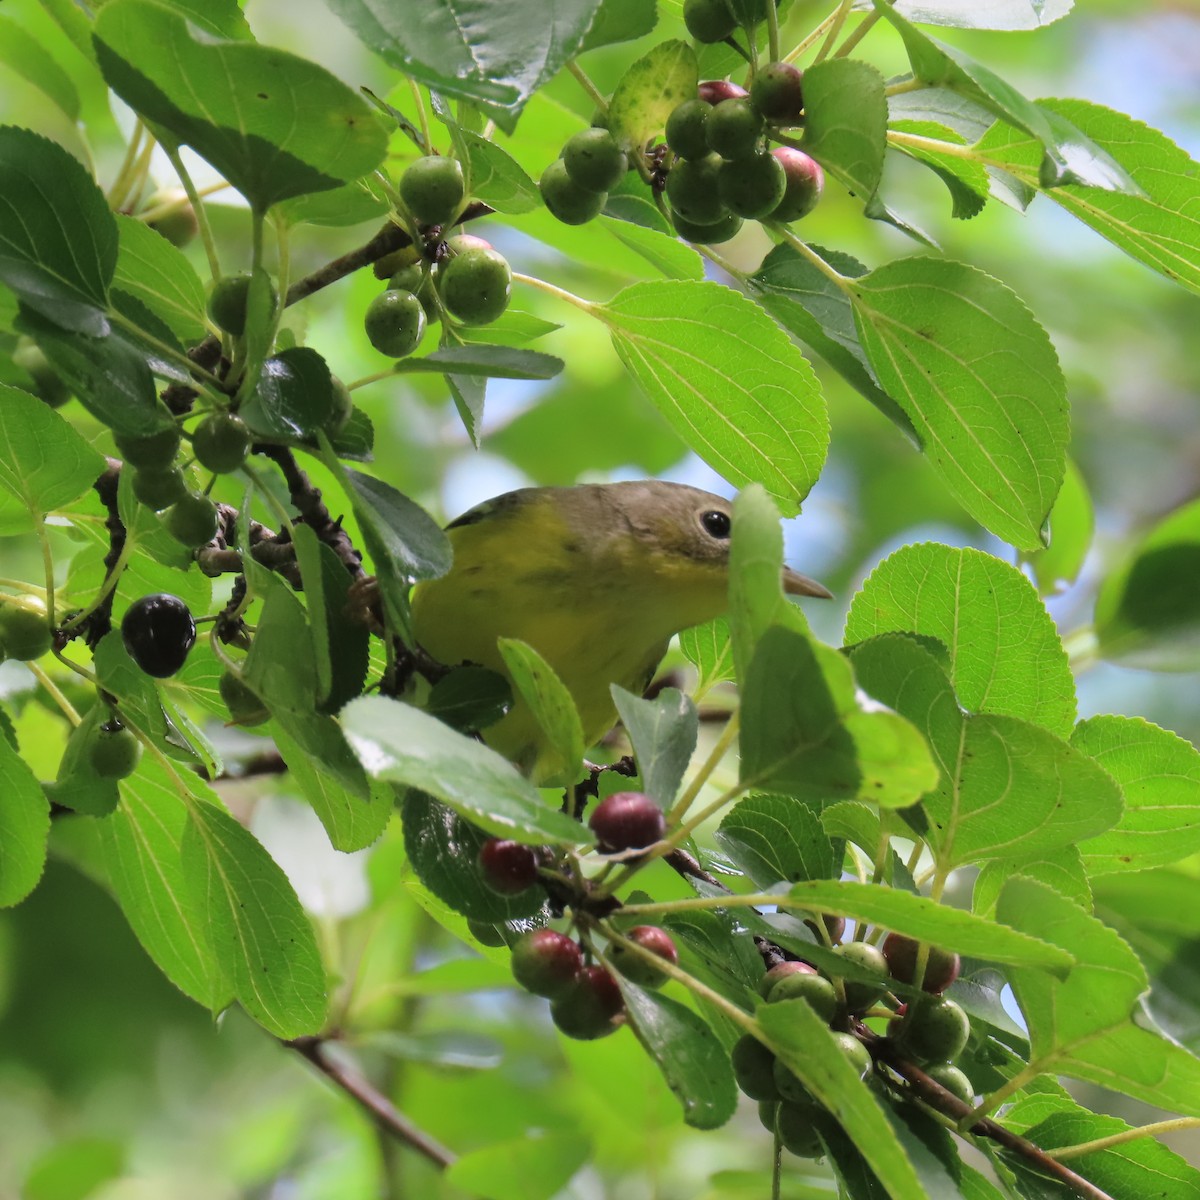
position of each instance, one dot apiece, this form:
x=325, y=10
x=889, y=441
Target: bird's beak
x=795, y=584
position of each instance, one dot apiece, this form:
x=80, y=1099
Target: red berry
x=508, y=867
x=590, y=1005
x=941, y=966
x=627, y=821
x=805, y=182
x=545, y=962
x=779, y=971
x=636, y=968
x=716, y=90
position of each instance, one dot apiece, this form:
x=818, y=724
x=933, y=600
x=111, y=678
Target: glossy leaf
x=728, y=380
x=994, y=426
x=1004, y=653
x=294, y=397
x=650, y=89
x=845, y=122
x=399, y=743
x=663, y=732
x=497, y=178
x=777, y=839
x=966, y=180
x=483, y=360
x=619, y=21
x=58, y=239
x=277, y=126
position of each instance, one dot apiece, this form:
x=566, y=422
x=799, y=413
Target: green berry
x=933, y=1029
x=804, y=183
x=159, y=489
x=777, y=92
x=855, y=1051
x=46, y=380
x=419, y=281
x=114, y=751
x=637, y=969
x=781, y=971
x=153, y=452
x=229, y=301
x=24, y=631
x=192, y=520
x=546, y=962
x=708, y=21
x=221, y=443
x=954, y=1081
x=692, y=190
x=396, y=261
x=754, y=1069
x=788, y=1085
x=707, y=235
x=766, y=1114
x=685, y=128
x=752, y=187
x=245, y=705
x=733, y=128
x=861, y=996
x=815, y=990
x=395, y=323
x=589, y=1007
x=797, y=1134
x=570, y=203
x=434, y=189
x=340, y=408
x=476, y=285
x=594, y=160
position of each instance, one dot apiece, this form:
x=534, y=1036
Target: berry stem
x=584, y=81
x=835, y=27
x=595, y=310
x=865, y=26
x=422, y=117
x=163, y=350
x=813, y=37
x=772, y=32
x=52, y=690
x=1127, y=1135
x=120, y=184
x=701, y=777
x=206, y=233
x=39, y=529
x=813, y=257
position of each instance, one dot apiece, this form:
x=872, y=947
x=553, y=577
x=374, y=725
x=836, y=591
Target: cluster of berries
x=575, y=185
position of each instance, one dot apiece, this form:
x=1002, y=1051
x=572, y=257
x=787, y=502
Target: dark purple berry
x=508, y=867
x=158, y=632
x=627, y=821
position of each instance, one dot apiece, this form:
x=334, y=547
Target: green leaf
x=777, y=838
x=535, y=1166
x=24, y=824
x=1008, y=789
x=981, y=14
x=293, y=399
x=560, y=756
x=496, y=59
x=993, y=426
x=443, y=850
x=1061, y=869
x=967, y=180
x=728, y=380
x=649, y=90
x=663, y=732
x=255, y=922
x=21, y=52
x=619, y=21
x=486, y=361
x=74, y=1168
x=709, y=649
x=803, y=1042
x=666, y=253
x=360, y=200
x=1003, y=941
x=470, y=698
x=141, y=844
x=497, y=178
x=845, y=122
x=1140, y=1166
x=809, y=305
x=1085, y=1025
x=1148, y=611
x=277, y=126
x=803, y=732
x=58, y=239
x=397, y=742
x=77, y=786
x=160, y=276
x=44, y=462
x=511, y=328
x=683, y=1047
x=1159, y=775
x=1004, y=651
x=1072, y=523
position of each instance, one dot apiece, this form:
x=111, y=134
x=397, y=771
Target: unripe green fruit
x=766, y=1114
x=781, y=971
x=637, y=969
x=396, y=261
x=815, y=990
x=245, y=705
x=589, y=1007
x=227, y=304
x=754, y=1069
x=433, y=188
x=594, y=160
x=154, y=452
x=545, y=962
x=708, y=21
x=570, y=203
x=416, y=279
x=114, y=751
x=855, y=1051
x=789, y=1086
x=179, y=227
x=685, y=128
x=46, y=381
x=933, y=1029
x=24, y=631
x=797, y=1134
x=221, y=443
x=954, y=1081
x=476, y=285
x=860, y=996
x=752, y=187
x=777, y=92
x=707, y=235
x=692, y=190
x=159, y=489
x=804, y=183
x=395, y=323
x=341, y=407
x=192, y=520
x=733, y=128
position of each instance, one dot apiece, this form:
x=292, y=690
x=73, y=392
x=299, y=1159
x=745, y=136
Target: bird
x=597, y=578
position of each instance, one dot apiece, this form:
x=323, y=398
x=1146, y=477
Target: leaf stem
x=585, y=82
x=422, y=117
x=120, y=184
x=905, y=85
x=898, y=138
x=163, y=350
x=39, y=528
x=839, y=19
x=206, y=233
x=1027, y=1074
x=815, y=36
x=52, y=690
x=865, y=26
x=772, y=32
x=561, y=293
x=801, y=247
x=1128, y=1135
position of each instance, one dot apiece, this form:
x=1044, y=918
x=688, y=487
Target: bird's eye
x=715, y=523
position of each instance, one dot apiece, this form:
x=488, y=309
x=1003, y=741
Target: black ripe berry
x=158, y=632
x=508, y=867
x=627, y=821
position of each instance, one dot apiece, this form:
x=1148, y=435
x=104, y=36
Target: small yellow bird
x=596, y=578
